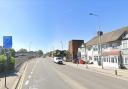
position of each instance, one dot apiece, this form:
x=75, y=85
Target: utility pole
x=99, y=33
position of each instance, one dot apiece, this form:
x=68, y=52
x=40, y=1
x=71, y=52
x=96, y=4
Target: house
x=110, y=49
x=82, y=52
x=124, y=49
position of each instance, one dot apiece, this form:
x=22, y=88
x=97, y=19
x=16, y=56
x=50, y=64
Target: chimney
x=99, y=33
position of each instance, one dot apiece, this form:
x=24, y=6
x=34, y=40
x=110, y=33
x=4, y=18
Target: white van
x=58, y=60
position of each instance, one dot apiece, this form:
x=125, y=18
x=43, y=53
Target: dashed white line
x=31, y=72
x=29, y=76
x=27, y=82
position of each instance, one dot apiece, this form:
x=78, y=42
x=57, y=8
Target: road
x=45, y=74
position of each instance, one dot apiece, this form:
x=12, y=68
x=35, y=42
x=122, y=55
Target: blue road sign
x=7, y=42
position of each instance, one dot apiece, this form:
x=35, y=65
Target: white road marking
x=32, y=87
x=27, y=82
x=29, y=76
x=74, y=84
x=32, y=69
x=31, y=72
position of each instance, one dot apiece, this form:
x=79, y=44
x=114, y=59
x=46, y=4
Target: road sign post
x=7, y=44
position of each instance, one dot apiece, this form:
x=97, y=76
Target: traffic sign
x=7, y=42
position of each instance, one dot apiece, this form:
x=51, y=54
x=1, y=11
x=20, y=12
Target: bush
x=11, y=63
x=2, y=62
x=2, y=59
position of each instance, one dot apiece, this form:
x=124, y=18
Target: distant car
x=58, y=60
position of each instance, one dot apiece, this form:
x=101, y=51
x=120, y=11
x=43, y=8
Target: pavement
x=12, y=78
x=43, y=73
x=121, y=73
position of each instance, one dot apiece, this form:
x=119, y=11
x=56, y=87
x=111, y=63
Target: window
x=116, y=59
x=95, y=58
x=126, y=60
x=112, y=59
x=104, y=46
x=114, y=45
x=104, y=59
x=110, y=44
x=95, y=48
x=124, y=44
x=107, y=59
x=89, y=48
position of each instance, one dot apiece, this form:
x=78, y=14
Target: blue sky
x=45, y=23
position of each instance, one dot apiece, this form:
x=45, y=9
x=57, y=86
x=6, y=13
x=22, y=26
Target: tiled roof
x=108, y=37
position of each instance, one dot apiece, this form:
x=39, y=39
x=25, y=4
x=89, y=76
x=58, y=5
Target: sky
x=47, y=24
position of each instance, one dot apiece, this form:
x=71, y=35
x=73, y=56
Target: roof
x=76, y=40
x=108, y=37
x=115, y=52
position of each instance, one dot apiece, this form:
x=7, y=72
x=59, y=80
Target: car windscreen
x=58, y=58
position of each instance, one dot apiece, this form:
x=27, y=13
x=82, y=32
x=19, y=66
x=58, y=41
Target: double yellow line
x=20, y=84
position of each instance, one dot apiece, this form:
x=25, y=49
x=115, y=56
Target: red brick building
x=73, y=47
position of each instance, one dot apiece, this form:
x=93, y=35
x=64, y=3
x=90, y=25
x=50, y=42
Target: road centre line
x=29, y=76
x=27, y=82
x=74, y=84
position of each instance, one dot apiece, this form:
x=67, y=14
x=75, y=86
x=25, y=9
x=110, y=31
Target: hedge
x=11, y=63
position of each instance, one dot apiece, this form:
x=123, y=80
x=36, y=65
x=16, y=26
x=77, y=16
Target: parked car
x=58, y=60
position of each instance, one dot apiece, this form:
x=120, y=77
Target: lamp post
x=98, y=17
x=99, y=33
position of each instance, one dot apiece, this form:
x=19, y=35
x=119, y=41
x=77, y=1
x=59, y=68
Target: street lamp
x=99, y=33
x=98, y=17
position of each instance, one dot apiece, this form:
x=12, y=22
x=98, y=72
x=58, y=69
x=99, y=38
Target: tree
x=40, y=52
x=57, y=53
x=12, y=52
x=22, y=50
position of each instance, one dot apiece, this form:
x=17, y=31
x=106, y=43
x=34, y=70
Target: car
x=58, y=60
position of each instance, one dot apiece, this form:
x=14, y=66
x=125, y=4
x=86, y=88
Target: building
x=82, y=52
x=111, y=50
x=124, y=49
x=73, y=47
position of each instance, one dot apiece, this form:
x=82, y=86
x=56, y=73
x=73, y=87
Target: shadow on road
x=62, y=64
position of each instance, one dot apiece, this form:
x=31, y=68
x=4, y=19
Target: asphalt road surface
x=45, y=74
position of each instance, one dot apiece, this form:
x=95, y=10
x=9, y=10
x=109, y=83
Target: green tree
x=40, y=52
x=23, y=50
x=2, y=62
x=2, y=52
x=12, y=52
x=2, y=59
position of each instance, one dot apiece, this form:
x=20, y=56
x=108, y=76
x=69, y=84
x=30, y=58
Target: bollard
x=86, y=66
x=115, y=72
